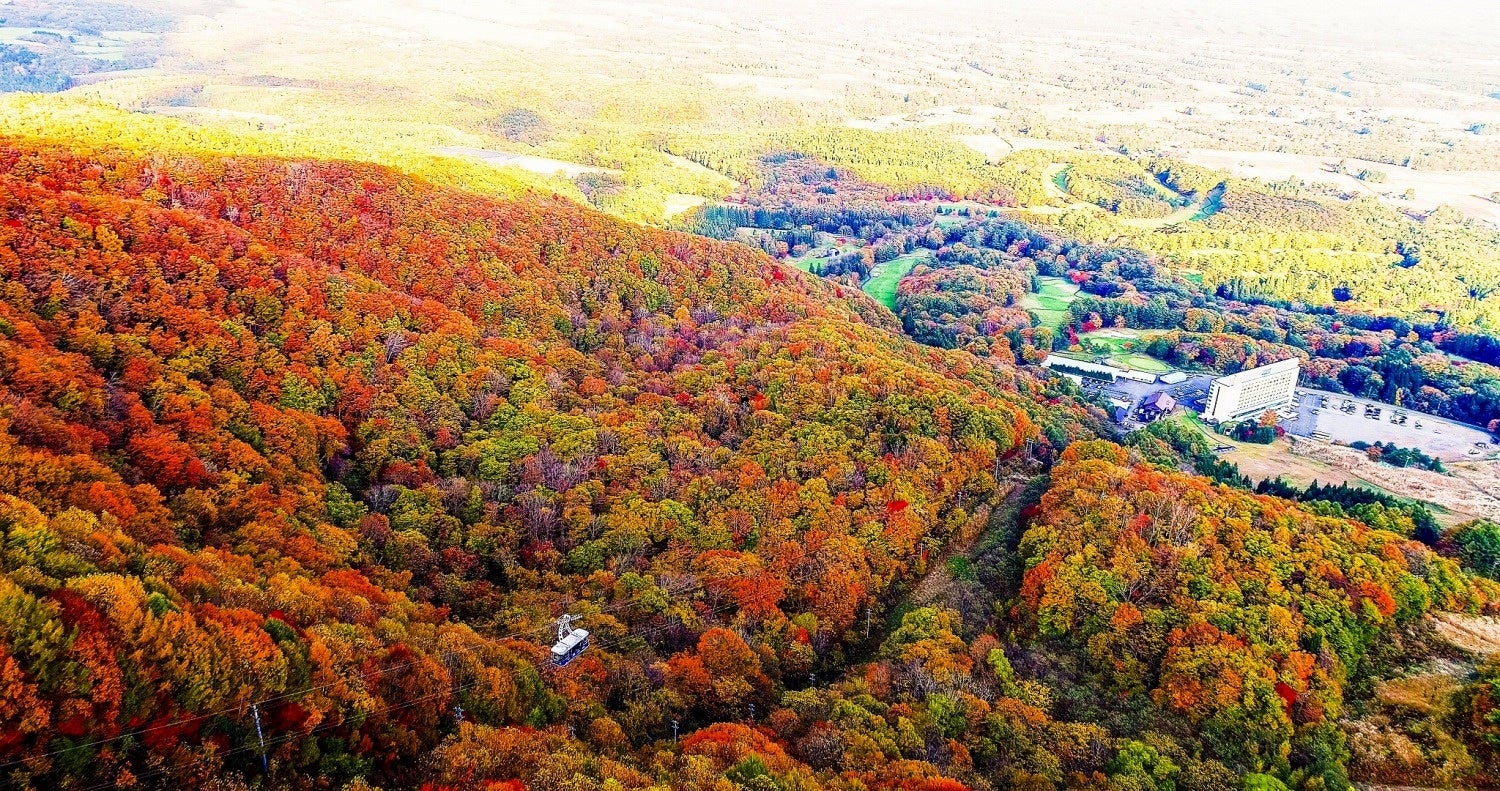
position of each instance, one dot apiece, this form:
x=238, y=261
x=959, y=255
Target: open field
x=1117, y=334
x=1140, y=362
x=1325, y=81
x=1124, y=360
x=885, y=277
x=541, y=165
x=1471, y=492
x=1119, y=346
x=1477, y=634
x=679, y=202
x=1465, y=190
x=1051, y=301
x=1276, y=460
x=1462, y=496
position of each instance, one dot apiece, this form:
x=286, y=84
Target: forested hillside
x=300, y=460
x=348, y=349
x=332, y=440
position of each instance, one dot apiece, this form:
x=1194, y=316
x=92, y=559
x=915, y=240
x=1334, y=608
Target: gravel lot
x=1436, y=436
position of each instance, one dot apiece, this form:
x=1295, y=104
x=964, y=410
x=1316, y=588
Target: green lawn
x=826, y=242
x=1046, y=302
x=885, y=277
x=1059, y=287
x=1140, y=362
x=1050, y=303
x=1052, y=318
x=1113, y=340
x=1122, y=348
x=949, y=220
x=1104, y=344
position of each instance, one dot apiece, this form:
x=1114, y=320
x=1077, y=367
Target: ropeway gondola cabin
x=571, y=643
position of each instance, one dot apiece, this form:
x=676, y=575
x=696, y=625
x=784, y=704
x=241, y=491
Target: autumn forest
x=314, y=422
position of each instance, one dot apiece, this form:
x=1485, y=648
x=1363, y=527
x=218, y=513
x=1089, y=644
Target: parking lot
x=1190, y=394
x=1344, y=419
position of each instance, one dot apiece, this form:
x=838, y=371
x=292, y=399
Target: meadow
x=1121, y=347
x=885, y=277
x=1051, y=300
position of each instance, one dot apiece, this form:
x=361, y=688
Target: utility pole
x=867, y=623
x=674, y=731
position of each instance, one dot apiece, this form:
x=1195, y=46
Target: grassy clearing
x=1047, y=302
x=1121, y=346
x=1061, y=287
x=1140, y=362
x=1276, y=460
x=1119, y=333
x=1193, y=212
x=950, y=220
x=1110, y=341
x=1055, y=319
x=885, y=277
x=1051, y=300
x=827, y=244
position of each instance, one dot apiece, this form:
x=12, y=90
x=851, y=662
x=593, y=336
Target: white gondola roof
x=570, y=642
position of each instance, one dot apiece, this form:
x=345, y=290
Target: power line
x=300, y=693
x=266, y=746
x=443, y=656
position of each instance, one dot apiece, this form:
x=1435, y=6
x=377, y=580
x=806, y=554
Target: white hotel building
x=1251, y=393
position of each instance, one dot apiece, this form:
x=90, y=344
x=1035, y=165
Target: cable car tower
x=571, y=643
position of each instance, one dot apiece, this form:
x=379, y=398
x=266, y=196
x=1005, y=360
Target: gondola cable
x=268, y=745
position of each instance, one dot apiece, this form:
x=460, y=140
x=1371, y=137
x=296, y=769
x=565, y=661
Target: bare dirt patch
x=1463, y=495
x=1277, y=460
x=1471, y=491
x=1422, y=692
x=1477, y=634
